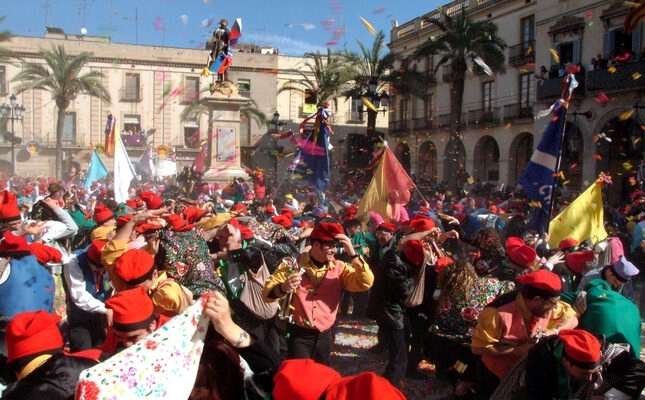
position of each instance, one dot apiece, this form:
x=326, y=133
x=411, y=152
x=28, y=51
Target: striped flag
x=389, y=189
x=634, y=17
x=96, y=170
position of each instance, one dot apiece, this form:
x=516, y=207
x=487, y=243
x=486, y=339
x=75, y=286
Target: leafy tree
x=371, y=67
x=62, y=75
x=325, y=77
x=5, y=36
x=463, y=43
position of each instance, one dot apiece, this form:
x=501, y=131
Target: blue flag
x=147, y=165
x=537, y=179
x=96, y=170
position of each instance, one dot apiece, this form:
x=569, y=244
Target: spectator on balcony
x=553, y=72
x=593, y=64
x=542, y=75
x=602, y=62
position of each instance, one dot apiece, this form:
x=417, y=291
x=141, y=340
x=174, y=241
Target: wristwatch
x=243, y=337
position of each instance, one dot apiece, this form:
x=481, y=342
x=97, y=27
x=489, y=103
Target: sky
x=293, y=26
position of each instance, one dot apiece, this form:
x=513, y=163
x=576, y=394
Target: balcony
x=624, y=76
x=399, y=128
x=522, y=53
x=421, y=123
x=551, y=89
x=517, y=111
x=443, y=121
x=129, y=94
x=482, y=118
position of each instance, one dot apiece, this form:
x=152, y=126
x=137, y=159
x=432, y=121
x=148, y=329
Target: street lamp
x=13, y=112
x=378, y=100
x=276, y=122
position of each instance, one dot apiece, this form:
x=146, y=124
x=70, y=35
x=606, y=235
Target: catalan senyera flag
x=389, y=189
x=582, y=219
x=123, y=170
x=635, y=16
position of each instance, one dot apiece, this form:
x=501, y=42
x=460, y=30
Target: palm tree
x=62, y=76
x=463, y=43
x=376, y=74
x=5, y=36
x=326, y=77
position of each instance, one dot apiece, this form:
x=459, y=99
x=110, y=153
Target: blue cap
x=625, y=269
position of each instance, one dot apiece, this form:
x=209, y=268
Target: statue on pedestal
x=221, y=56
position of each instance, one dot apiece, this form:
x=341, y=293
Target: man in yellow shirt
x=510, y=325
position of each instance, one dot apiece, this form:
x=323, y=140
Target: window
x=430, y=68
x=131, y=90
x=191, y=92
x=131, y=124
x=616, y=40
x=525, y=90
x=244, y=88
x=487, y=96
x=310, y=97
x=356, y=112
x=191, y=135
x=3, y=80
x=404, y=107
x=69, y=128
x=527, y=32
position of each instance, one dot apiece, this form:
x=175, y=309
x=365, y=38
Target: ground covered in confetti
x=351, y=356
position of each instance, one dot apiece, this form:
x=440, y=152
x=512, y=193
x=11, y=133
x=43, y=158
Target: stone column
x=224, y=128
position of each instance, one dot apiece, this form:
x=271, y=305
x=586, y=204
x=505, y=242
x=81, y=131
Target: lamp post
x=13, y=112
x=276, y=121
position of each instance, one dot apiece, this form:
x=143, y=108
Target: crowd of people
x=462, y=283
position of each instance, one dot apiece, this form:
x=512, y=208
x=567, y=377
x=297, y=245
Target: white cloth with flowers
x=161, y=366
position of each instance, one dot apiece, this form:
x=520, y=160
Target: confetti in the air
x=483, y=66
x=369, y=26
x=626, y=115
x=602, y=98
x=555, y=55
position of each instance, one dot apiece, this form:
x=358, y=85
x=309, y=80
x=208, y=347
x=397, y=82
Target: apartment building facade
x=604, y=129
x=150, y=87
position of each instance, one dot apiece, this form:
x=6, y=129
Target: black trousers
x=397, y=343
x=309, y=343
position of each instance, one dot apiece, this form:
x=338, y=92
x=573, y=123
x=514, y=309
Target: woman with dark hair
x=491, y=257
x=234, y=365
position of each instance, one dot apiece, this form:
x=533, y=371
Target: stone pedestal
x=224, y=127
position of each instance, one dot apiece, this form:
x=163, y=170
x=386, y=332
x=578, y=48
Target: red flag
x=389, y=190
x=198, y=163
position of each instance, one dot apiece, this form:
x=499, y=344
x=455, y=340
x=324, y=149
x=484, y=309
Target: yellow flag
x=581, y=220
x=375, y=197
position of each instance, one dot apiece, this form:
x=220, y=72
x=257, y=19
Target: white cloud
x=286, y=45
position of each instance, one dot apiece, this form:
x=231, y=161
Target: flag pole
x=568, y=85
